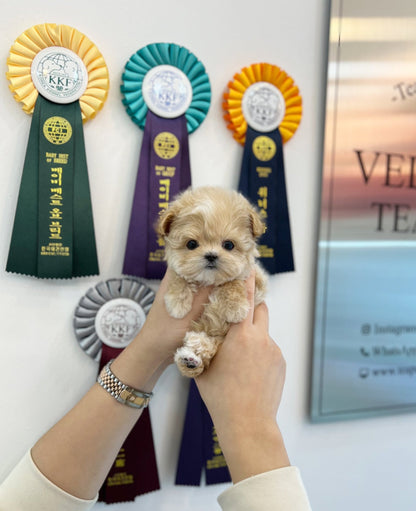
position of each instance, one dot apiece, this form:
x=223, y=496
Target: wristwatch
x=120, y=391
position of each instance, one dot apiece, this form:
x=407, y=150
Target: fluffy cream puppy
x=210, y=240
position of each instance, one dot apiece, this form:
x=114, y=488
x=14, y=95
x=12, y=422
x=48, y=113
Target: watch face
x=113, y=313
x=59, y=74
x=263, y=107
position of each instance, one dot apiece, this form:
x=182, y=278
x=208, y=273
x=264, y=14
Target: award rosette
x=263, y=110
x=106, y=320
x=166, y=92
x=59, y=75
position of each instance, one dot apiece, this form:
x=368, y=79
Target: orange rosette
x=250, y=75
x=42, y=36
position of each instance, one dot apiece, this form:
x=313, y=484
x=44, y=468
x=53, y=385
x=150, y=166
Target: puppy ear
x=256, y=223
x=165, y=221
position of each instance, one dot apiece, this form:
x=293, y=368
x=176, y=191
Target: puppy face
x=210, y=235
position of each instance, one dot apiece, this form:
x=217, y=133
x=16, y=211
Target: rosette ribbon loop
x=53, y=231
x=263, y=110
x=166, y=91
x=106, y=320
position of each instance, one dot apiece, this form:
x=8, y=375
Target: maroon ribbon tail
x=134, y=471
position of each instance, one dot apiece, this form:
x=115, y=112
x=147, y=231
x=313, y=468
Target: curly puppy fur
x=210, y=240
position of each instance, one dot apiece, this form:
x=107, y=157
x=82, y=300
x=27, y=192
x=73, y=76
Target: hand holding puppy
x=243, y=397
x=210, y=240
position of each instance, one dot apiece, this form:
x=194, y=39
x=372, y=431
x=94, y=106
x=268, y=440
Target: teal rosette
x=159, y=54
x=167, y=93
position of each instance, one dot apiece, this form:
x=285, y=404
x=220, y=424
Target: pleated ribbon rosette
x=166, y=92
x=263, y=109
x=107, y=318
x=61, y=78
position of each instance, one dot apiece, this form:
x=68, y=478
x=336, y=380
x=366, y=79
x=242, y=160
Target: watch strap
x=120, y=391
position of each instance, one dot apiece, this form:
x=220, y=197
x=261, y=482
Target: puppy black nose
x=211, y=257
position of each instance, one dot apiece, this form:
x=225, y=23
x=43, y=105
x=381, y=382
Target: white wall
x=361, y=465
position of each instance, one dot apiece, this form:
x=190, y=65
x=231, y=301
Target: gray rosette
x=112, y=312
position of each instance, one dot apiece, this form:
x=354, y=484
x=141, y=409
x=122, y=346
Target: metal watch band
x=120, y=391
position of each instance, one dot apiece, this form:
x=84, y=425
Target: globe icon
x=59, y=59
x=57, y=130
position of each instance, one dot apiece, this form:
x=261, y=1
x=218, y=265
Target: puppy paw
x=188, y=362
x=236, y=312
x=178, y=306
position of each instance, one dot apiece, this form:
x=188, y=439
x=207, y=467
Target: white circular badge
x=59, y=74
x=119, y=321
x=167, y=91
x=263, y=106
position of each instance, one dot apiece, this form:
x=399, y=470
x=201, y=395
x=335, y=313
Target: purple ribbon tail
x=161, y=175
x=199, y=447
x=136, y=248
x=191, y=456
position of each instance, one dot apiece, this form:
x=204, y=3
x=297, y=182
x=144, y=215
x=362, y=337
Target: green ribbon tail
x=85, y=261
x=22, y=256
x=53, y=232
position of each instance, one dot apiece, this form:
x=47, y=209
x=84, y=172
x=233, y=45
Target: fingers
x=261, y=316
x=250, y=286
x=164, y=282
x=200, y=299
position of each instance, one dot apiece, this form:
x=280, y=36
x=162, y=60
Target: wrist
x=140, y=364
x=251, y=447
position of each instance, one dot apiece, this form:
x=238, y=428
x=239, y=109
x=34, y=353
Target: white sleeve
x=278, y=490
x=27, y=489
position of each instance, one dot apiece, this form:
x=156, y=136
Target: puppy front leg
x=178, y=297
x=229, y=302
x=196, y=353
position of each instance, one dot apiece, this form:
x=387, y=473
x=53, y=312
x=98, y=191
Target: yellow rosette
x=39, y=37
x=263, y=109
x=61, y=78
x=250, y=75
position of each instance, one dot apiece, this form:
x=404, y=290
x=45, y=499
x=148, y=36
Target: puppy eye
x=228, y=245
x=192, y=244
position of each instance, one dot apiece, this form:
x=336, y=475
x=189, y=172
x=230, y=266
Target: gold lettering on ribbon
x=266, y=251
x=262, y=193
x=262, y=202
x=55, y=247
x=165, y=173
x=263, y=172
x=164, y=194
x=217, y=460
x=120, y=478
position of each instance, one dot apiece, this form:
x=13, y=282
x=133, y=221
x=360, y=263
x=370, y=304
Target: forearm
x=77, y=453
x=252, y=448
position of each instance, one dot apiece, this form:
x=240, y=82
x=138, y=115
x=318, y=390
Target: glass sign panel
x=364, y=360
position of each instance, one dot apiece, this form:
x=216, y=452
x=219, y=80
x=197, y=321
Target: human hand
x=246, y=377
x=242, y=390
x=165, y=332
